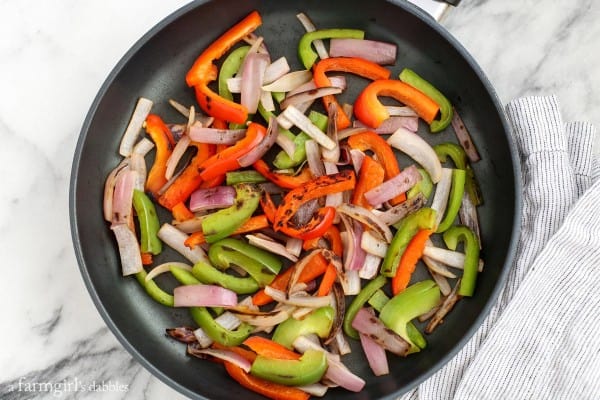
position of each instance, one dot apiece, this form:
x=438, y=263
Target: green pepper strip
x=208, y=274
x=308, y=56
x=229, y=68
x=249, y=176
x=223, y=223
x=413, y=301
x=425, y=186
x=319, y=322
x=309, y=369
x=154, y=291
x=149, y=224
x=407, y=228
x=216, y=332
x=359, y=301
x=455, y=200
x=471, y=245
x=261, y=265
x=410, y=77
x=459, y=157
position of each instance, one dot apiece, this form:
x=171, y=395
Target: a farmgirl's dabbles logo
x=58, y=388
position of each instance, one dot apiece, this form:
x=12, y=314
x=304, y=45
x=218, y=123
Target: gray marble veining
x=54, y=57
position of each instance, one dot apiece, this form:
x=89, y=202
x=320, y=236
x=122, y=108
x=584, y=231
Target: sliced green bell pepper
x=471, y=247
x=309, y=369
x=407, y=305
x=378, y=300
x=216, y=332
x=208, y=274
x=455, y=199
x=410, y=77
x=308, y=56
x=223, y=223
x=149, y=224
x=459, y=157
x=249, y=176
x=183, y=276
x=229, y=68
x=359, y=301
x=319, y=321
x=408, y=227
x=425, y=186
x=154, y=291
x=261, y=265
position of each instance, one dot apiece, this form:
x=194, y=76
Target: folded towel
x=540, y=340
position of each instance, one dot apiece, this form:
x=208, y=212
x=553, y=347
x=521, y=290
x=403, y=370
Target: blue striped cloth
x=542, y=338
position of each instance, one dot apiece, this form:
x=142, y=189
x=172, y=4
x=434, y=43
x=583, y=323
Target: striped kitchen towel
x=541, y=340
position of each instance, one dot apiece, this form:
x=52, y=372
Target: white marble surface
x=54, y=55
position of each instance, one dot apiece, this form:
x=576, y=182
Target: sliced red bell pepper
x=203, y=72
x=253, y=224
x=332, y=235
x=181, y=212
x=189, y=180
x=408, y=262
x=370, y=176
x=227, y=160
x=355, y=65
x=369, y=110
x=159, y=132
x=268, y=207
x=267, y=388
x=315, y=227
x=369, y=140
x=283, y=180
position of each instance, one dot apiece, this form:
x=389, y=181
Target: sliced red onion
x=309, y=26
x=332, y=155
x=225, y=355
x=368, y=324
x=338, y=81
x=166, y=267
x=123, y=196
x=441, y=281
x=286, y=144
x=316, y=389
x=373, y=246
x=266, y=319
x=129, y=249
x=354, y=261
x=276, y=70
x=141, y=111
x=143, y=147
x=202, y=295
x=357, y=157
x=438, y=268
x=467, y=215
x=203, y=120
x=289, y=81
x=257, y=43
x=336, y=371
x=109, y=189
x=464, y=138
x=234, y=84
x=266, y=100
x=300, y=265
x=297, y=300
x=393, y=187
x=261, y=149
x=334, y=199
x=342, y=347
x=378, y=52
x=313, y=156
x=138, y=164
x=175, y=157
x=401, y=111
x=216, y=136
x=447, y=305
x=227, y=320
x=252, y=73
x=175, y=239
x=396, y=213
x=451, y=258
x=189, y=225
x=442, y=191
x=271, y=246
x=346, y=133
x=182, y=334
x=309, y=95
x=209, y=199
x=392, y=124
x=375, y=354
x=366, y=217
x=294, y=246
x=419, y=150
x=371, y=266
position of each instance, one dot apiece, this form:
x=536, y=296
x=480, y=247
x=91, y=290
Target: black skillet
x=155, y=68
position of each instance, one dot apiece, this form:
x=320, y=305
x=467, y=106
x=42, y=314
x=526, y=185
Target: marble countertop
x=54, y=58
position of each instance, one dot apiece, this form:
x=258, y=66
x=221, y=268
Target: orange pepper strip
x=253, y=224
x=409, y=259
x=314, y=228
x=371, y=175
x=227, y=160
x=315, y=268
x=268, y=207
x=335, y=243
x=328, y=280
x=159, y=132
x=268, y=348
x=369, y=110
x=181, y=212
x=355, y=65
x=189, y=180
x=203, y=71
x=268, y=389
x=146, y=258
x=283, y=180
x=369, y=140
